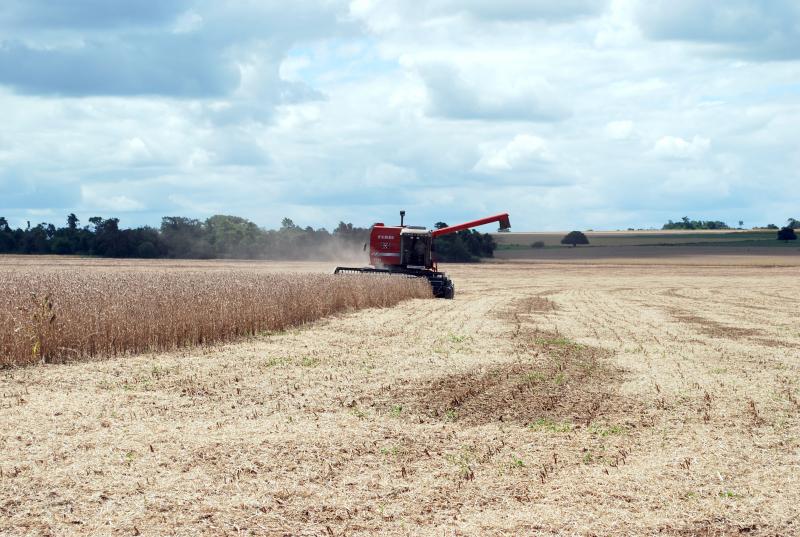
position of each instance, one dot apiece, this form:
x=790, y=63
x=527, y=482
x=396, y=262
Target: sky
x=576, y=114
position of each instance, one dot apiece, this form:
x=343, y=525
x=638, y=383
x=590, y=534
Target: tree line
x=686, y=223
x=465, y=245
x=220, y=236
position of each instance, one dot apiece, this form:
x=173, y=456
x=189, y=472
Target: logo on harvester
x=385, y=237
x=385, y=245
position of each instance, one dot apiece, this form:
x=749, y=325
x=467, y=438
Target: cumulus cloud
x=392, y=14
x=674, y=147
x=520, y=154
x=187, y=22
x=19, y=188
x=390, y=175
x=87, y=14
x=174, y=50
x=689, y=185
x=135, y=151
x=513, y=10
x=747, y=28
x=93, y=200
x=457, y=95
x=619, y=130
x=567, y=114
x=134, y=67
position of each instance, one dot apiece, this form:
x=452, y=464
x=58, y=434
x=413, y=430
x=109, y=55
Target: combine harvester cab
x=408, y=251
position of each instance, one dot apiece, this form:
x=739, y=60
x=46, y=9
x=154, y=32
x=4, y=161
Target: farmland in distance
x=643, y=246
x=762, y=237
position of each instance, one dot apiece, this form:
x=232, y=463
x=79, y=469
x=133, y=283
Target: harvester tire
x=450, y=291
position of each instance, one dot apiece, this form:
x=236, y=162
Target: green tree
x=466, y=245
x=787, y=234
x=686, y=223
x=232, y=236
x=35, y=240
x=110, y=241
x=147, y=250
x=575, y=238
x=185, y=238
x=288, y=224
x=7, y=242
x=62, y=246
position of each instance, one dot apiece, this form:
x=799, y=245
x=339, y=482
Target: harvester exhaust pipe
x=402, y=215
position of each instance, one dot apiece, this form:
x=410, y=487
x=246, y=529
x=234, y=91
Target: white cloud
x=292, y=117
x=487, y=94
x=741, y=28
x=390, y=175
x=391, y=14
x=573, y=114
x=188, y=22
x=517, y=155
x=674, y=147
x=691, y=184
x=619, y=130
x=291, y=67
x=134, y=151
x=95, y=200
x=198, y=159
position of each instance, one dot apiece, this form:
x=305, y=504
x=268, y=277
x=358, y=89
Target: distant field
x=718, y=247
x=640, y=238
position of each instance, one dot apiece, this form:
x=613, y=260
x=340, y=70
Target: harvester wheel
x=450, y=291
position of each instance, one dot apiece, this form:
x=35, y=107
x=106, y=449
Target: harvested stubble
x=68, y=315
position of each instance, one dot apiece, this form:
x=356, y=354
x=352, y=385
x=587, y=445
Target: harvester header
x=408, y=250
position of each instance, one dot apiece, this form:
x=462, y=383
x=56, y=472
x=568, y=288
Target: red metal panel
x=501, y=218
x=384, y=246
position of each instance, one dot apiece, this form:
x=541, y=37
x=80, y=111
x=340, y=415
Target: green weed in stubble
x=517, y=462
x=604, y=430
x=310, y=361
x=463, y=460
x=548, y=425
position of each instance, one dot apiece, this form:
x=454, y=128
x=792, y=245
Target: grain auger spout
x=407, y=251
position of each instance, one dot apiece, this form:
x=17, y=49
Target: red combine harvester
x=408, y=251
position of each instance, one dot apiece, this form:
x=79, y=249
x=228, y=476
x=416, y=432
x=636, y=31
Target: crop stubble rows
x=543, y=400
